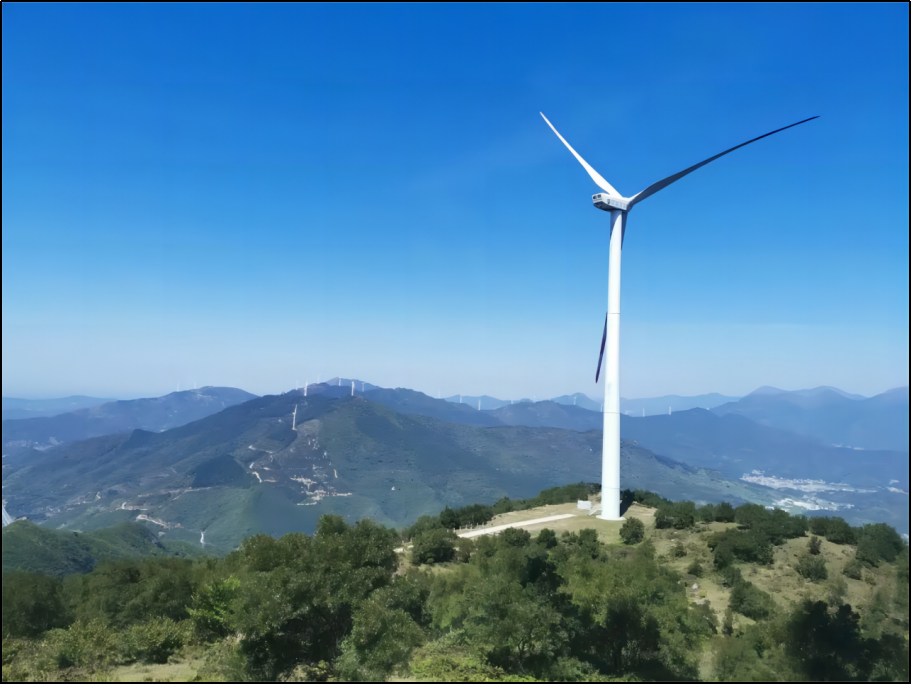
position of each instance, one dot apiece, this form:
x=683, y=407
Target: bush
x=724, y=512
x=381, y=640
x=814, y=546
x=548, y=538
x=678, y=550
x=465, y=550
x=632, y=531
x=838, y=531
x=32, y=604
x=516, y=537
x=93, y=646
x=879, y=542
x=211, y=608
x=812, y=568
x=695, y=569
x=154, y=641
x=751, y=601
x=434, y=546
x=854, y=569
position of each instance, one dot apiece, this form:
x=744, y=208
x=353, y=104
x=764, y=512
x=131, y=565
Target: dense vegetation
x=344, y=604
x=33, y=548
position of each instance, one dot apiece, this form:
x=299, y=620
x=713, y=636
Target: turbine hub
x=605, y=202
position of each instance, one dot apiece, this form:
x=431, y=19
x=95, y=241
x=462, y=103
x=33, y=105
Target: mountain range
x=277, y=463
x=830, y=416
x=15, y=409
x=214, y=465
x=160, y=413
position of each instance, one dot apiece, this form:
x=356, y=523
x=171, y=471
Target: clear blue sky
x=251, y=195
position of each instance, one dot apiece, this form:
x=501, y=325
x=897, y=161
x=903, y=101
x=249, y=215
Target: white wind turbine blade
x=599, y=180
x=660, y=185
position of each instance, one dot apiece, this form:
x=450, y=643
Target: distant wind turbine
x=619, y=206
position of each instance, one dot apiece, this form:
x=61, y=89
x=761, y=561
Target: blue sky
x=251, y=195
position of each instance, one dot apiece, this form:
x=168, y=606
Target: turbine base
x=610, y=518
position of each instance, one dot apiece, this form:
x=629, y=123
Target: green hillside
x=33, y=548
x=245, y=470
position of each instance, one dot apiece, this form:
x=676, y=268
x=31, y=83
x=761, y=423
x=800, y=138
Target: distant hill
x=830, y=416
x=485, y=402
x=14, y=409
x=245, y=470
x=33, y=548
x=659, y=406
x=736, y=445
x=580, y=400
x=154, y=415
x=411, y=402
x=549, y=414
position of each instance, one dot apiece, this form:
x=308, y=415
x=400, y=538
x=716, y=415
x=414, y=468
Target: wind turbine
x=619, y=206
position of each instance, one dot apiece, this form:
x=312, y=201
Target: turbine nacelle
x=605, y=202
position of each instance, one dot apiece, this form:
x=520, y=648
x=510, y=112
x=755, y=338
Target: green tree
x=632, y=531
x=879, y=542
x=812, y=568
x=381, y=640
x=32, y=604
x=434, y=546
x=814, y=546
x=547, y=538
x=513, y=536
x=724, y=512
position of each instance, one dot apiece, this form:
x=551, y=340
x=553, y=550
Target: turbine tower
x=619, y=206
x=7, y=518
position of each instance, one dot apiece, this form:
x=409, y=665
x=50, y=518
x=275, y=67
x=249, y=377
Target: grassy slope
x=34, y=548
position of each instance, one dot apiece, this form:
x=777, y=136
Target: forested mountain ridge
x=259, y=466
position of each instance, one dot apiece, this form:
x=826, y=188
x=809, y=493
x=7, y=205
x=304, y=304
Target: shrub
x=706, y=514
x=879, y=542
x=154, y=641
x=211, y=608
x=678, y=550
x=814, y=546
x=548, y=538
x=854, y=569
x=516, y=537
x=466, y=548
x=434, y=546
x=32, y=604
x=838, y=531
x=695, y=569
x=812, y=568
x=632, y=531
x=381, y=639
x=724, y=512
x=751, y=601
x=727, y=627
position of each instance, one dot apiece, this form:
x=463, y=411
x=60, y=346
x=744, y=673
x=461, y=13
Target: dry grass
x=608, y=531
x=178, y=671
